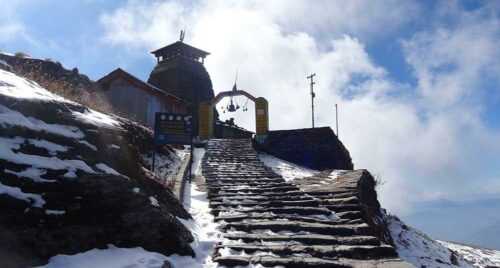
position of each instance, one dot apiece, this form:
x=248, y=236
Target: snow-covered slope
x=479, y=257
x=73, y=179
x=422, y=251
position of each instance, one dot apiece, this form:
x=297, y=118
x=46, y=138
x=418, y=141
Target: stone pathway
x=268, y=221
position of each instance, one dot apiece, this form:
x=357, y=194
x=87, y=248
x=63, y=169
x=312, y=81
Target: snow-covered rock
x=73, y=179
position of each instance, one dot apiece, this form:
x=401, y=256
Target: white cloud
x=421, y=140
x=451, y=62
x=11, y=27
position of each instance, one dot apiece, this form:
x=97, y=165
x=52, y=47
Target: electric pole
x=311, y=77
x=337, y=119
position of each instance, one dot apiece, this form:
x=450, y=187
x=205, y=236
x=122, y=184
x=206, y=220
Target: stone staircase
x=268, y=221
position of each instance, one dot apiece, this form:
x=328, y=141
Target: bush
x=22, y=55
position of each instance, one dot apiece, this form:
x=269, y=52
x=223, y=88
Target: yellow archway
x=206, y=117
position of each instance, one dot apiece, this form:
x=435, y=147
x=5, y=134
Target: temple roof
x=120, y=73
x=180, y=47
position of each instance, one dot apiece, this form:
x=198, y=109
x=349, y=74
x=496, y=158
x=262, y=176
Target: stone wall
x=315, y=148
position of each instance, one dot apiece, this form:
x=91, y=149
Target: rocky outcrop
x=52, y=76
x=352, y=195
x=48, y=71
x=315, y=148
x=72, y=179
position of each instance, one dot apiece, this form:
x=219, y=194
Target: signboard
x=173, y=128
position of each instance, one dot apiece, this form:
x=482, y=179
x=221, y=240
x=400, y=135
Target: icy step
x=272, y=203
x=280, y=189
x=305, y=211
x=249, y=193
x=350, y=215
x=263, y=216
x=257, y=181
x=310, y=239
x=261, y=198
x=320, y=251
x=297, y=226
x=344, y=208
x=270, y=261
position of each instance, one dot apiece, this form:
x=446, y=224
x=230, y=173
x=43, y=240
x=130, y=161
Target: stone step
x=350, y=215
x=361, y=252
x=339, y=200
x=248, y=193
x=281, y=189
x=271, y=261
x=297, y=226
x=304, y=211
x=260, y=198
x=344, y=208
x=310, y=239
x=272, y=203
x=248, y=182
x=332, y=194
x=269, y=216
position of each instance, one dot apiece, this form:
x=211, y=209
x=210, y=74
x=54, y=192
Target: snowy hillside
x=412, y=245
x=76, y=180
x=421, y=250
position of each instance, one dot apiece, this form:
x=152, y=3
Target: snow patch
x=287, y=170
x=479, y=257
x=7, y=147
x=114, y=146
x=419, y=249
x=86, y=143
x=35, y=199
x=55, y=212
x=166, y=165
x=154, y=202
x=198, y=154
x=203, y=227
x=51, y=147
x=10, y=117
x=17, y=87
x=337, y=172
x=97, y=118
x=32, y=173
x=112, y=257
x=107, y=169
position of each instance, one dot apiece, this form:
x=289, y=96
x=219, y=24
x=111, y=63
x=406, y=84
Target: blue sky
x=416, y=81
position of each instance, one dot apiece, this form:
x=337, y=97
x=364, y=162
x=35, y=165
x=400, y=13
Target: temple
x=178, y=83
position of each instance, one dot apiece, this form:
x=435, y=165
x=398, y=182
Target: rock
x=106, y=200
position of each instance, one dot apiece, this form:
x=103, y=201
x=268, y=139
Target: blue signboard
x=172, y=128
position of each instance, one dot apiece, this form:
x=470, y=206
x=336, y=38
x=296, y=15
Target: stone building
x=136, y=99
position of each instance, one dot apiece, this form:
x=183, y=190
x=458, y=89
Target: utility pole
x=311, y=77
x=337, y=119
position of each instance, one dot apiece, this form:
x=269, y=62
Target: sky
x=416, y=82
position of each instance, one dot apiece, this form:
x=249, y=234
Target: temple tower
x=180, y=72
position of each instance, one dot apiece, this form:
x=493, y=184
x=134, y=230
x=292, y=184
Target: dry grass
x=89, y=97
